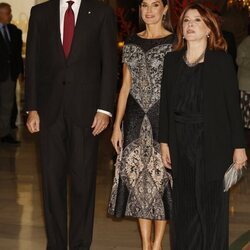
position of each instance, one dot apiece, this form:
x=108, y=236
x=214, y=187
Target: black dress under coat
x=223, y=124
x=201, y=121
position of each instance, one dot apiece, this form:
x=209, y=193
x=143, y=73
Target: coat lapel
x=209, y=87
x=3, y=42
x=54, y=23
x=1, y=38
x=176, y=74
x=55, y=26
x=79, y=31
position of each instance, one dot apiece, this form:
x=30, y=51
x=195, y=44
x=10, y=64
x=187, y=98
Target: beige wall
x=21, y=12
x=40, y=1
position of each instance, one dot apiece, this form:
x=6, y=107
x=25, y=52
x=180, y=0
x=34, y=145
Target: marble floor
x=21, y=216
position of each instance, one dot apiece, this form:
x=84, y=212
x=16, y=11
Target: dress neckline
x=192, y=67
x=150, y=39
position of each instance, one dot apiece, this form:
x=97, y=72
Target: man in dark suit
x=70, y=85
x=14, y=112
x=10, y=68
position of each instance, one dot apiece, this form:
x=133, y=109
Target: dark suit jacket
x=11, y=63
x=222, y=116
x=85, y=81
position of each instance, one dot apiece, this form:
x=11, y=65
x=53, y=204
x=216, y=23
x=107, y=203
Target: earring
x=183, y=37
x=208, y=35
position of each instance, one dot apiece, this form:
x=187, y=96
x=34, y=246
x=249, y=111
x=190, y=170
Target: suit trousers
x=14, y=111
x=68, y=150
x=7, y=92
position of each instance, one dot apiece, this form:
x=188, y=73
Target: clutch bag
x=232, y=176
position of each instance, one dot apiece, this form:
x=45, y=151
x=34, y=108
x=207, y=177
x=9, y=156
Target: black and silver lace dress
x=142, y=185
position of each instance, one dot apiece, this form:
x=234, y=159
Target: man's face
x=5, y=15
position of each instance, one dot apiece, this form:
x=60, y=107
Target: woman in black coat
x=201, y=130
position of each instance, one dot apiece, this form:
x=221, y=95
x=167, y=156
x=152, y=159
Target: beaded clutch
x=232, y=176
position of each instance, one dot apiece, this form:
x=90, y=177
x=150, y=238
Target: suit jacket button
x=63, y=83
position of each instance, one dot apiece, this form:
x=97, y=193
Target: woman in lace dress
x=142, y=185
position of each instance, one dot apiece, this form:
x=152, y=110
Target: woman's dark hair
x=216, y=40
x=166, y=20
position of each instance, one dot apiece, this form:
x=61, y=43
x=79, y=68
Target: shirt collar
x=63, y=3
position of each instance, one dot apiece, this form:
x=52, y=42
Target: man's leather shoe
x=9, y=139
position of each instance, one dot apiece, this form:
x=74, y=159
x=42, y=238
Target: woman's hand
x=116, y=139
x=165, y=155
x=240, y=158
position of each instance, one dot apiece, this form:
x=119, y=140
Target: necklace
x=189, y=64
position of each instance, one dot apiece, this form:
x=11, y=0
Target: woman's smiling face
x=152, y=11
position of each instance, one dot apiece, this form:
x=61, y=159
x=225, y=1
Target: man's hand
x=33, y=122
x=100, y=123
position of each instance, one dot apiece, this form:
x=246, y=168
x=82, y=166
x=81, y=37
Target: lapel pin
x=89, y=12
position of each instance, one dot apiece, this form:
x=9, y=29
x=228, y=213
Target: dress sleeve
x=164, y=118
x=125, y=54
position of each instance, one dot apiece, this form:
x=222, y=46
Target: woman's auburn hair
x=216, y=40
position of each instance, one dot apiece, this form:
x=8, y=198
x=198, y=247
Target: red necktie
x=69, y=26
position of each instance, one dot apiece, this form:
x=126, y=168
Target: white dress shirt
x=63, y=7
x=75, y=7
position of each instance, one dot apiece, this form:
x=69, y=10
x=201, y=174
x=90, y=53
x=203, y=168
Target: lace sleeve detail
x=126, y=54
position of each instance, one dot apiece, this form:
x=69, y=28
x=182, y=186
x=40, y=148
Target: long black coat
x=222, y=116
x=85, y=81
x=11, y=63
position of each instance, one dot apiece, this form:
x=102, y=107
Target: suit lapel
x=10, y=30
x=54, y=23
x=80, y=23
x=2, y=40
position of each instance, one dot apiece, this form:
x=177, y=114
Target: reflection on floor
x=21, y=217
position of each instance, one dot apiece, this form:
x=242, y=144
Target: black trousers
x=68, y=149
x=14, y=111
